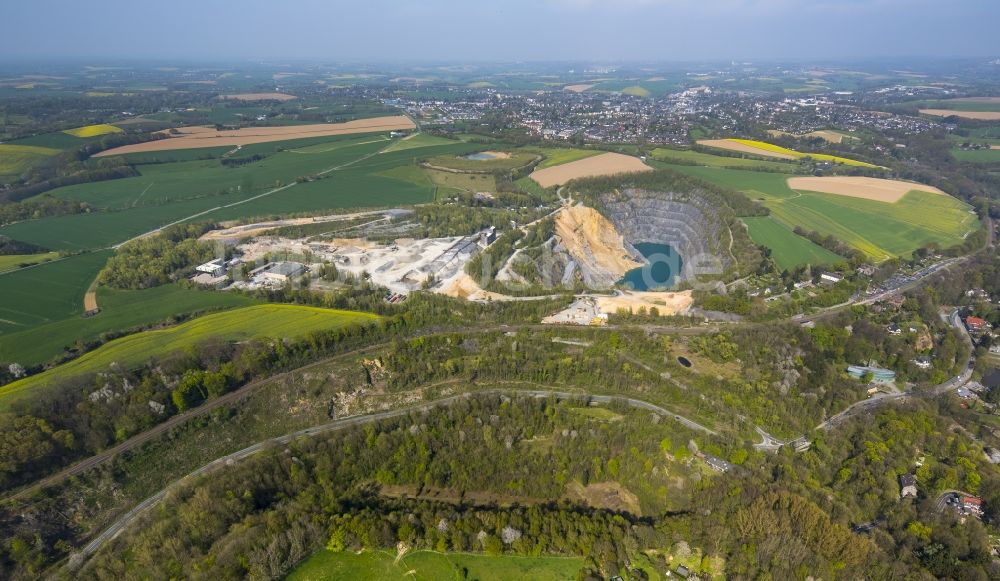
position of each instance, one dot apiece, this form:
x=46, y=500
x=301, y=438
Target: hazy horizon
x=514, y=30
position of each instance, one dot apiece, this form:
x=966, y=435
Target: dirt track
x=197, y=137
x=599, y=165
x=889, y=191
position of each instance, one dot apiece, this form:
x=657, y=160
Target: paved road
x=952, y=384
x=115, y=529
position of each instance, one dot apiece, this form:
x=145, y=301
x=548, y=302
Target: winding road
x=122, y=523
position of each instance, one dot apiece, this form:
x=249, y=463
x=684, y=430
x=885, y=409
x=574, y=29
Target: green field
x=958, y=105
x=788, y=249
x=637, y=91
x=417, y=141
x=16, y=159
x=430, y=566
x=878, y=229
x=48, y=292
x=40, y=314
x=120, y=310
x=706, y=159
x=559, y=155
x=174, y=191
x=977, y=156
x=14, y=261
x=271, y=320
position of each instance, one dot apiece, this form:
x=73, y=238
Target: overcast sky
x=497, y=30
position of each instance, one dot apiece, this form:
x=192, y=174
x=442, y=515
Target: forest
x=780, y=516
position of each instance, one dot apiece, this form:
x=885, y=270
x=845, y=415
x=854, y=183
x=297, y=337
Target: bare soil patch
x=259, y=97
x=667, y=303
x=978, y=115
x=607, y=495
x=599, y=165
x=742, y=148
x=465, y=287
x=880, y=190
x=577, y=88
x=197, y=137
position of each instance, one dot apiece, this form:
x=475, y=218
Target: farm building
x=907, y=486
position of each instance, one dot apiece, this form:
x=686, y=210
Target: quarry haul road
x=115, y=529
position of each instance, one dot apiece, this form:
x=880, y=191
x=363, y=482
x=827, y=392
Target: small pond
x=482, y=156
x=660, y=273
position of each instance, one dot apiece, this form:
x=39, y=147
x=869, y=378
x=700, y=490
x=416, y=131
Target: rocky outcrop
x=596, y=247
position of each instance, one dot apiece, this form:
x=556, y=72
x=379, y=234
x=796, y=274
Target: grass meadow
x=120, y=310
x=554, y=156
x=431, y=566
x=48, y=292
x=10, y=262
x=788, y=249
x=706, y=159
x=352, y=177
x=16, y=159
x=40, y=314
x=270, y=320
x=977, y=156
x=880, y=230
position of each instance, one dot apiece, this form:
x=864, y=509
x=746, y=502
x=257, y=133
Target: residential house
x=894, y=329
x=907, y=486
x=922, y=362
x=972, y=505
x=975, y=324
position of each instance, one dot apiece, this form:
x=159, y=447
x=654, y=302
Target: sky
x=497, y=30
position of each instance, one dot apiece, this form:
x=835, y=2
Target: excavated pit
x=686, y=222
